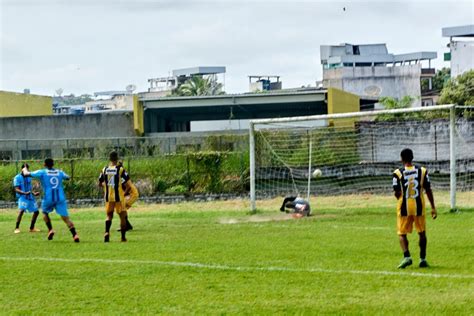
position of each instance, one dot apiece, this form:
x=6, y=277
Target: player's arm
x=19, y=191
x=35, y=174
x=429, y=194
x=65, y=175
x=125, y=179
x=397, y=186
x=101, y=180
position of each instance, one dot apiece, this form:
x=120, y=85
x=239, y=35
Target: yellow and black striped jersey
x=112, y=178
x=411, y=181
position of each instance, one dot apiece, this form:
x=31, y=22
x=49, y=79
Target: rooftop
x=368, y=54
x=199, y=70
x=459, y=31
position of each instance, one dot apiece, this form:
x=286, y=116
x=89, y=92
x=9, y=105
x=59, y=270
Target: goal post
x=357, y=152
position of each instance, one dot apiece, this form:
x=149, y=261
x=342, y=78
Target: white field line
x=240, y=268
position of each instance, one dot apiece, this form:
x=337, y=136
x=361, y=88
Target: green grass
x=340, y=261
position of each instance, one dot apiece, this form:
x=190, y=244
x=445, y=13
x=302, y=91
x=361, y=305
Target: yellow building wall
x=20, y=104
x=138, y=123
x=342, y=102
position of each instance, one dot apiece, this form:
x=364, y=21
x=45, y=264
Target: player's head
x=25, y=165
x=406, y=155
x=113, y=156
x=49, y=163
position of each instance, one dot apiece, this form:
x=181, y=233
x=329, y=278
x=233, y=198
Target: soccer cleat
x=282, y=209
x=50, y=234
x=405, y=263
x=16, y=231
x=34, y=230
x=106, y=237
x=76, y=238
x=123, y=240
x=423, y=263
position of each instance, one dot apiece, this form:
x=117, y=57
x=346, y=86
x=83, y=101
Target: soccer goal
x=353, y=153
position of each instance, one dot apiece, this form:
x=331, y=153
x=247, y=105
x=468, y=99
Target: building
x=264, y=83
x=234, y=111
x=14, y=104
x=461, y=53
x=164, y=86
x=371, y=71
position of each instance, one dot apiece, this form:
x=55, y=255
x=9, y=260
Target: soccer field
x=215, y=258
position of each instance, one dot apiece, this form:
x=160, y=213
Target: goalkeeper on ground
x=298, y=206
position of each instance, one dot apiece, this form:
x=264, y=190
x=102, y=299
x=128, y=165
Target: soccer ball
x=317, y=173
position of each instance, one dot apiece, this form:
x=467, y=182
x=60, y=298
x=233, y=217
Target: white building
x=369, y=70
x=461, y=53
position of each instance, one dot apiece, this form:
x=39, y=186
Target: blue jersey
x=52, y=183
x=24, y=184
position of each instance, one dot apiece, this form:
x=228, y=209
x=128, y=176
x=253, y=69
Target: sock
x=123, y=232
x=73, y=231
x=49, y=225
x=33, y=220
x=107, y=226
x=17, y=225
x=406, y=254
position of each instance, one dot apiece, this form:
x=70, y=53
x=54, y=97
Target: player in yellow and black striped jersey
x=113, y=179
x=409, y=184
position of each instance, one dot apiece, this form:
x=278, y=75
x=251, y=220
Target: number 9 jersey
x=411, y=181
x=52, y=184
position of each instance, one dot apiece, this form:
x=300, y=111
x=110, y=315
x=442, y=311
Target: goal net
x=358, y=152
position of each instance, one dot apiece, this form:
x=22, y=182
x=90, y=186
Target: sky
x=85, y=46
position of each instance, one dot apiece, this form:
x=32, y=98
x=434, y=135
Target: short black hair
x=113, y=156
x=49, y=162
x=407, y=155
x=25, y=165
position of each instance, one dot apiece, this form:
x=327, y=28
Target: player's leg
x=423, y=241
x=109, y=210
x=405, y=226
x=71, y=227
x=123, y=225
x=33, y=207
x=47, y=221
x=120, y=208
x=18, y=221
x=48, y=208
x=130, y=200
x=61, y=209
x=33, y=222
x=22, y=206
x=286, y=201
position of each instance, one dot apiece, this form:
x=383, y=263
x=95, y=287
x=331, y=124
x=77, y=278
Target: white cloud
x=120, y=42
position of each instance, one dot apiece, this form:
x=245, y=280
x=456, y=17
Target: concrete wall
x=462, y=57
x=118, y=124
x=19, y=104
x=394, y=82
x=383, y=142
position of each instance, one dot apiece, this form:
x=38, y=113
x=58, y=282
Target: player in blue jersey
x=26, y=201
x=53, y=196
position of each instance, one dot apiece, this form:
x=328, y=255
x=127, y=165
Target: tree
x=438, y=81
x=59, y=92
x=390, y=103
x=197, y=85
x=459, y=90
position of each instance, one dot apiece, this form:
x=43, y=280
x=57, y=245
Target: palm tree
x=197, y=85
